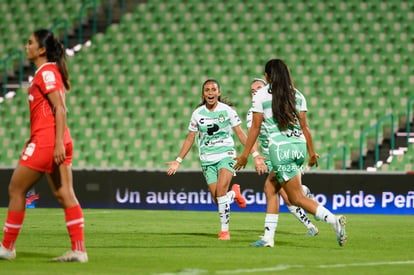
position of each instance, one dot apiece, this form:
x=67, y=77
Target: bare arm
x=259, y=164
x=243, y=138
x=313, y=157
x=259, y=161
x=240, y=134
x=185, y=148
x=251, y=141
x=59, y=109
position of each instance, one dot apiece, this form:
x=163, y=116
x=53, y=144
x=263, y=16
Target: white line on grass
x=286, y=267
x=282, y=268
x=59, y=213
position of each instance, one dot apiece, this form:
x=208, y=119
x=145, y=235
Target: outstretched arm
x=185, y=148
x=259, y=161
x=259, y=164
x=243, y=138
x=251, y=141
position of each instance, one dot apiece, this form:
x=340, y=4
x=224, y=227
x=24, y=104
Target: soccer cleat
x=312, y=231
x=238, y=197
x=224, y=236
x=340, y=230
x=264, y=243
x=7, y=254
x=73, y=256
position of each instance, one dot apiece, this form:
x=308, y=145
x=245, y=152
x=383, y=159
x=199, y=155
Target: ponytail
x=55, y=52
x=283, y=94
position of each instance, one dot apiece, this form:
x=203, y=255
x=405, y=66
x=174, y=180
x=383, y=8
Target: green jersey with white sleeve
x=262, y=103
x=215, y=132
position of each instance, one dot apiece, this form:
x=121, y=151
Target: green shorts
x=210, y=171
x=268, y=163
x=287, y=160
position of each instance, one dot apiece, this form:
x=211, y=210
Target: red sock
x=74, y=224
x=12, y=228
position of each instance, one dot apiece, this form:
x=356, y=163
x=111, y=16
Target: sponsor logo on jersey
x=221, y=118
x=49, y=79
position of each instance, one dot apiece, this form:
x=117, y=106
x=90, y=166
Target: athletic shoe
x=7, y=254
x=264, y=243
x=224, y=236
x=238, y=197
x=308, y=192
x=73, y=256
x=312, y=231
x=340, y=230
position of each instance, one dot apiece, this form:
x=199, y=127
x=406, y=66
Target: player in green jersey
x=214, y=123
x=275, y=106
x=272, y=199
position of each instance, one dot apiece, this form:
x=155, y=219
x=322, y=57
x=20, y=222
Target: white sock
x=325, y=215
x=224, y=212
x=270, y=225
x=231, y=196
x=300, y=214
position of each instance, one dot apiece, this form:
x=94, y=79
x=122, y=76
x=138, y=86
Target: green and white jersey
x=263, y=140
x=215, y=132
x=262, y=103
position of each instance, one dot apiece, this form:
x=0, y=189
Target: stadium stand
x=20, y=17
x=137, y=84
x=402, y=162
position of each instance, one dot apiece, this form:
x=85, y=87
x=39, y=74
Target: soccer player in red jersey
x=49, y=149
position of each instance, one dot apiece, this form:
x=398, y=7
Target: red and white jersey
x=47, y=79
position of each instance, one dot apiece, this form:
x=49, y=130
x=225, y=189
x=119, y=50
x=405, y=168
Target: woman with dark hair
x=49, y=150
x=275, y=105
x=214, y=122
x=272, y=199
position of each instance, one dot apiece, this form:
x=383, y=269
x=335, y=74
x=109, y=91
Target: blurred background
x=137, y=68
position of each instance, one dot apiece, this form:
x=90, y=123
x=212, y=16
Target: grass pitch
x=185, y=243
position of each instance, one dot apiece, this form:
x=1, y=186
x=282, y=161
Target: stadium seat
x=347, y=58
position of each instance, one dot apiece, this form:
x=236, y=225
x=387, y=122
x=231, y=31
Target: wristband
x=179, y=160
x=255, y=154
